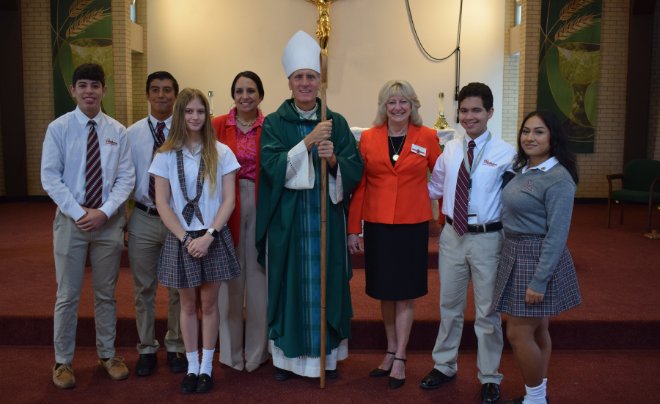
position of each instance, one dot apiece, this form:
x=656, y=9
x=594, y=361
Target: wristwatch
x=213, y=232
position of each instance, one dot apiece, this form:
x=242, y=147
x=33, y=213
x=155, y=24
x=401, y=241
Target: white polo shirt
x=164, y=165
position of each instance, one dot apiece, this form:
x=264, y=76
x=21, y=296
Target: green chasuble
x=291, y=220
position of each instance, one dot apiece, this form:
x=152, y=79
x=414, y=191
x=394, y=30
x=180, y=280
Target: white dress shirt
x=64, y=162
x=142, y=149
x=164, y=165
x=486, y=180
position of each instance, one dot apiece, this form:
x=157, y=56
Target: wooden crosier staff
x=323, y=33
x=324, y=164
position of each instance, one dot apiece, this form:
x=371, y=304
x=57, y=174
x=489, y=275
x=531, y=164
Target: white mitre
x=302, y=52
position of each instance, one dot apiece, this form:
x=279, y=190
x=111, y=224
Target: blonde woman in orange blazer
x=393, y=201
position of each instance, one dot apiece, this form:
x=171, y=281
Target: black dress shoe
x=177, y=362
x=435, y=380
x=189, y=384
x=146, y=364
x=331, y=374
x=282, y=375
x=490, y=393
x=393, y=381
x=204, y=383
x=378, y=372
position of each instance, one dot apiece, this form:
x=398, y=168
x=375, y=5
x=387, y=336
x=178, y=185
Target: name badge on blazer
x=418, y=149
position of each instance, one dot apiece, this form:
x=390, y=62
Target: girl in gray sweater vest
x=536, y=276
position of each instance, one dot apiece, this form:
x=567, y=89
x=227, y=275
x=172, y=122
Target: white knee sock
x=193, y=362
x=207, y=361
x=535, y=395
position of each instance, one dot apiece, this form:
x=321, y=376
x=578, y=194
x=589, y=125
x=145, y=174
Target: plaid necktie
x=161, y=139
x=93, y=174
x=192, y=207
x=461, y=198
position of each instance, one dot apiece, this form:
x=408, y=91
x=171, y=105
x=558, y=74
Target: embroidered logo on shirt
x=529, y=186
x=110, y=142
x=488, y=163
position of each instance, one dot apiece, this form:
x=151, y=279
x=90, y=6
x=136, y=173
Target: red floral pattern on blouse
x=246, y=146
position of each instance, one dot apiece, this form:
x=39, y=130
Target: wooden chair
x=638, y=179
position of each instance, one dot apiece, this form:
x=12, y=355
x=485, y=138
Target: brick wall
x=139, y=67
x=511, y=72
x=654, y=108
x=37, y=85
x=608, y=152
x=121, y=36
x=38, y=77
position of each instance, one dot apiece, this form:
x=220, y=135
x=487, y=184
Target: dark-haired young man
x=468, y=176
x=87, y=170
x=146, y=231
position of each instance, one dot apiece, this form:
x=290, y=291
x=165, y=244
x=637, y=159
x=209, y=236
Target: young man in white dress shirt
x=146, y=231
x=471, y=243
x=87, y=170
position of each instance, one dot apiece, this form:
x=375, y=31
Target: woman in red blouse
x=241, y=131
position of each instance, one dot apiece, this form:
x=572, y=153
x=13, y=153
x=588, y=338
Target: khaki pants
x=71, y=246
x=473, y=256
x=146, y=235
x=250, y=288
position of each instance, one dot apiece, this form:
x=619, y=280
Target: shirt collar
x=545, y=166
x=83, y=119
x=187, y=152
x=154, y=121
x=480, y=141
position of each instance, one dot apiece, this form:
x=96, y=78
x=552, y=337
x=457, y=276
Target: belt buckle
x=150, y=211
x=481, y=228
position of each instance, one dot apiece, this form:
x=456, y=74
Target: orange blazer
x=226, y=134
x=393, y=195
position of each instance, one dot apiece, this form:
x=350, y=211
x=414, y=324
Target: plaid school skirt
x=520, y=256
x=180, y=270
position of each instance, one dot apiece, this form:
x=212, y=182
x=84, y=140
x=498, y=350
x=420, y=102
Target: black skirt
x=396, y=260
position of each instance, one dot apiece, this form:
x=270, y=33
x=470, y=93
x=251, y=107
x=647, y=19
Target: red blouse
x=246, y=146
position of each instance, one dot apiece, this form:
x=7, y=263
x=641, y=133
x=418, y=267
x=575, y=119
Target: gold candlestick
x=441, y=123
x=210, y=93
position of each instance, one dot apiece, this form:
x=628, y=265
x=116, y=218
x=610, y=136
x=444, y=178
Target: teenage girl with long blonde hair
x=195, y=195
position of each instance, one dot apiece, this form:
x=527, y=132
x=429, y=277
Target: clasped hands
x=319, y=138
x=199, y=247
x=91, y=220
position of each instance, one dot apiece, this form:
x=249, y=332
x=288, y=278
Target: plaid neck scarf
x=192, y=207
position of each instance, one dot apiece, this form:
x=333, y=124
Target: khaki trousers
x=251, y=289
x=473, y=256
x=71, y=246
x=146, y=235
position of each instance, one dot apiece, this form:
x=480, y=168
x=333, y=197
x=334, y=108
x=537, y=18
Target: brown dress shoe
x=63, y=376
x=115, y=368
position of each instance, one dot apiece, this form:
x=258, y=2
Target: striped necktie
x=461, y=198
x=93, y=174
x=161, y=139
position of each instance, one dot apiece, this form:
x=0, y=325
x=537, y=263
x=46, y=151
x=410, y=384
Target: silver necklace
x=194, y=147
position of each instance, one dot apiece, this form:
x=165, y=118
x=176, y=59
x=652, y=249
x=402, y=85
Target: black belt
x=479, y=228
x=148, y=210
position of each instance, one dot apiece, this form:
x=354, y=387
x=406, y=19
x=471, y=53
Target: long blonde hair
x=179, y=134
x=393, y=88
